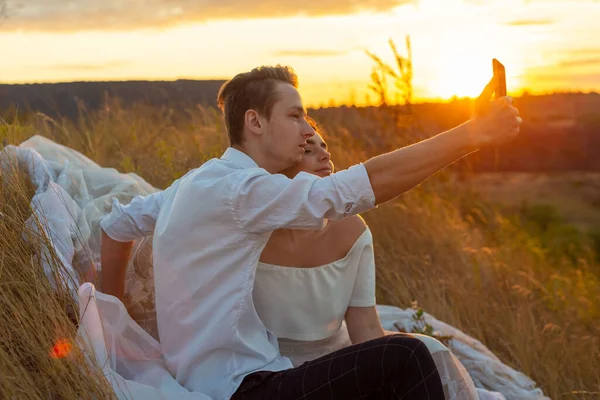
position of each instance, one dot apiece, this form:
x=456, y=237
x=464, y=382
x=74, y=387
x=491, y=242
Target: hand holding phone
x=495, y=122
x=500, y=77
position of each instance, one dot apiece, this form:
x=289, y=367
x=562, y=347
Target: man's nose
x=308, y=131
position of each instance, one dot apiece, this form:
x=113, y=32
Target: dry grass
x=576, y=194
x=461, y=259
x=38, y=357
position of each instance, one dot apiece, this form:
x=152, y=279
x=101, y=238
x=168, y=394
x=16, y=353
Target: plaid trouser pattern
x=392, y=367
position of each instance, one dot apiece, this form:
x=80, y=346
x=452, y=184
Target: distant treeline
x=561, y=132
x=67, y=99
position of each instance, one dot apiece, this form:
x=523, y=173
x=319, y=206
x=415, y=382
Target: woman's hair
x=313, y=124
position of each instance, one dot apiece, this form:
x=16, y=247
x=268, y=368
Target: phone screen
x=500, y=75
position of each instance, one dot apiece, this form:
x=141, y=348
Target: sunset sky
x=546, y=45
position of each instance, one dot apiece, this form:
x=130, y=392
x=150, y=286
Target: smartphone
x=500, y=75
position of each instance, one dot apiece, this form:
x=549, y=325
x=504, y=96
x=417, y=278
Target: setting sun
x=465, y=74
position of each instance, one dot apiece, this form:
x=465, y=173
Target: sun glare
x=466, y=78
x=464, y=72
x=61, y=348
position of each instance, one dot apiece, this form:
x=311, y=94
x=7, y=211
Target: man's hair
x=251, y=90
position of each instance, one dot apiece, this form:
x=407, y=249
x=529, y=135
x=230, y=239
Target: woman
x=332, y=283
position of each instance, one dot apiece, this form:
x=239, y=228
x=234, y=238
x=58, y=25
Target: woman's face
x=316, y=160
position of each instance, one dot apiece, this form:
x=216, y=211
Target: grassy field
x=522, y=277
x=574, y=195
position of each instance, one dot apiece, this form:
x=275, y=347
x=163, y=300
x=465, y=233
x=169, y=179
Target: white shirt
x=211, y=229
x=309, y=304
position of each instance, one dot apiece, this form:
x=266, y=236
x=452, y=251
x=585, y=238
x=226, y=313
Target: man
x=212, y=225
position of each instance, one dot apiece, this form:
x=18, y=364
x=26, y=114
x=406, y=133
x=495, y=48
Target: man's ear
x=252, y=121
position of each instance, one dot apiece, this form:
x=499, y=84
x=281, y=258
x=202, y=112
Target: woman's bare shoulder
x=350, y=227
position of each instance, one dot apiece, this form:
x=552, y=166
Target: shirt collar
x=239, y=158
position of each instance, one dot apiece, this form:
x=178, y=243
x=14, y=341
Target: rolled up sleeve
x=134, y=220
x=263, y=202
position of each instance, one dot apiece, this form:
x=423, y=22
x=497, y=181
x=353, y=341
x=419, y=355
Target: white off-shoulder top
x=309, y=304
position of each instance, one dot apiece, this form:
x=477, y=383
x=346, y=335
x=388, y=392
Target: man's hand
x=494, y=122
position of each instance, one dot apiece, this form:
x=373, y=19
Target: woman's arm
x=361, y=315
x=363, y=324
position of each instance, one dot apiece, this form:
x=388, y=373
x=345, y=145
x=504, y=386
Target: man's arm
x=134, y=220
x=119, y=229
x=138, y=218
x=114, y=257
x=262, y=202
x=396, y=172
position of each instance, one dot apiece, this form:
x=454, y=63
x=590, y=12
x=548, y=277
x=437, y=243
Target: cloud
x=308, y=53
x=3, y=9
x=530, y=22
x=72, y=15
